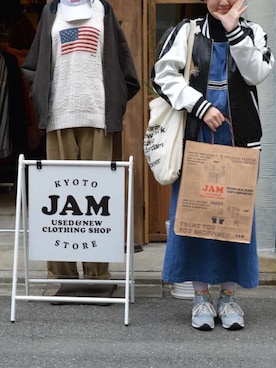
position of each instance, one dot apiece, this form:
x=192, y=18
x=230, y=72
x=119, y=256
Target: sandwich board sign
x=76, y=211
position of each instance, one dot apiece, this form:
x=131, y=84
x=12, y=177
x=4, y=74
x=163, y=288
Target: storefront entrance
x=160, y=16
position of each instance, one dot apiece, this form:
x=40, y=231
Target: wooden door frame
x=149, y=46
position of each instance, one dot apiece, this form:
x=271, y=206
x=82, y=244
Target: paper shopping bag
x=217, y=192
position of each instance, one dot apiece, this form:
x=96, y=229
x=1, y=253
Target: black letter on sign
x=54, y=200
x=71, y=205
x=96, y=207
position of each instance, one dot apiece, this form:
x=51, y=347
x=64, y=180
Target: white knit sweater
x=77, y=90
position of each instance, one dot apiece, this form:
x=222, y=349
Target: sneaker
x=230, y=313
x=203, y=313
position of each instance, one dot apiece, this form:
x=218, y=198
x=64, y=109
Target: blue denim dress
x=211, y=261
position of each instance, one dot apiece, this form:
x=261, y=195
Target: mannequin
x=82, y=95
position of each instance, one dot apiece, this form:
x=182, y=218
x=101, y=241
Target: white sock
x=199, y=286
x=229, y=286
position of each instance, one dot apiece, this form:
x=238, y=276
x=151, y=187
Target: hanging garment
x=15, y=118
x=5, y=141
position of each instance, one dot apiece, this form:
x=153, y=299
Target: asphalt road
x=159, y=335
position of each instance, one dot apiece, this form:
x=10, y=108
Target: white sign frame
x=70, y=193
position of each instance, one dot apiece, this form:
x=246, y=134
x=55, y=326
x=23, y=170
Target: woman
x=230, y=57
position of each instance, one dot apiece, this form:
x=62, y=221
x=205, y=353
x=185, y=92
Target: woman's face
x=220, y=6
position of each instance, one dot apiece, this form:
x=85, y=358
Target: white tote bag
x=163, y=140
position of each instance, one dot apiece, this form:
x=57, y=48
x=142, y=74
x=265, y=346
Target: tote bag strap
x=189, y=50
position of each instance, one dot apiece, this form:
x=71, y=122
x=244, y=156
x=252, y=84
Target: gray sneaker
x=203, y=313
x=230, y=313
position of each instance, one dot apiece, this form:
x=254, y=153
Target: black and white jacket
x=249, y=63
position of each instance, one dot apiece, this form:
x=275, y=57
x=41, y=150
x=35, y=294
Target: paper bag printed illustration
x=217, y=192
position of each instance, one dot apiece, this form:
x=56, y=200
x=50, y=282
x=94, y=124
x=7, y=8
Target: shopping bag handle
x=231, y=131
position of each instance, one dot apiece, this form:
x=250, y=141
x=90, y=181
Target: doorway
x=160, y=16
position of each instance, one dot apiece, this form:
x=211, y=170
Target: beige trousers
x=79, y=144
